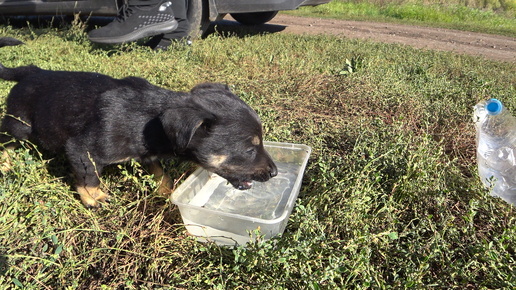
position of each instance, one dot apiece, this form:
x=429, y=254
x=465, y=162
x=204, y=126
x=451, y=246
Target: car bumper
x=232, y=6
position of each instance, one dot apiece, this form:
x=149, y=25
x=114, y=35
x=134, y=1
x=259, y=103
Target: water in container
x=265, y=200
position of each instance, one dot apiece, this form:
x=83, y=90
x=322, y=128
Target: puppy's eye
x=251, y=152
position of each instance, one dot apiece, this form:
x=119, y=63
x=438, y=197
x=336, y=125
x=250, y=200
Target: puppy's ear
x=181, y=125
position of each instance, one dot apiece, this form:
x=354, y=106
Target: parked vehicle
x=200, y=12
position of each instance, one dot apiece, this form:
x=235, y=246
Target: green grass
x=497, y=18
x=390, y=198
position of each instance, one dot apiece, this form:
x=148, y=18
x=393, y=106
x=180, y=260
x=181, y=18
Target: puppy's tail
x=18, y=73
x=9, y=41
x=15, y=74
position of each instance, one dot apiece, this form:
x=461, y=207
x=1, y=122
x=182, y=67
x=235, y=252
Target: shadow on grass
x=225, y=27
x=233, y=28
x=39, y=25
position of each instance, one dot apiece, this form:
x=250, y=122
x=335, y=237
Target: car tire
x=198, y=17
x=254, y=18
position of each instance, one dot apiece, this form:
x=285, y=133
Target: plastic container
x=213, y=210
x=496, y=149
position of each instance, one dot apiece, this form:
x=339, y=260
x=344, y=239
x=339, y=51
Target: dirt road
x=490, y=46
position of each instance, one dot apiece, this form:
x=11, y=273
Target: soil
x=489, y=46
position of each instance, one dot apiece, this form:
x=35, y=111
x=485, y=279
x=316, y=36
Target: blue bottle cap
x=494, y=107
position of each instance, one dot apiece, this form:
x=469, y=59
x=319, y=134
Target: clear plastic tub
x=213, y=210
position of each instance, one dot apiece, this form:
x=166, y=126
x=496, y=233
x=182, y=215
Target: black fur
x=9, y=41
x=98, y=120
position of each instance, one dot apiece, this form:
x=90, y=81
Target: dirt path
x=490, y=46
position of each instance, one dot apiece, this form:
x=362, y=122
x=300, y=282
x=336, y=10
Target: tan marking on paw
x=101, y=196
x=165, y=183
x=6, y=161
x=90, y=196
x=5, y=167
x=165, y=187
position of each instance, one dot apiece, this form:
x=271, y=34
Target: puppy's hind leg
x=6, y=147
x=20, y=130
x=6, y=160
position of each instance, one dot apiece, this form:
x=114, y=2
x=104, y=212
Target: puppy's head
x=224, y=135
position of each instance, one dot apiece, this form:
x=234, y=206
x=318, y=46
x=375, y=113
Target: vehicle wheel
x=198, y=17
x=254, y=18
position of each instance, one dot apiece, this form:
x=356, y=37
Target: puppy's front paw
x=165, y=186
x=101, y=196
x=164, y=189
x=91, y=196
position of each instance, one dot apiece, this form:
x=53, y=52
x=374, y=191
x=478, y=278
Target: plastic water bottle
x=496, y=148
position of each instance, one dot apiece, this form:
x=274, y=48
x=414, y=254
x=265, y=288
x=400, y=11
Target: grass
x=497, y=17
x=390, y=198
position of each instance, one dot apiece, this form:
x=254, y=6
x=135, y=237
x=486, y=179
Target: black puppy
x=98, y=120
